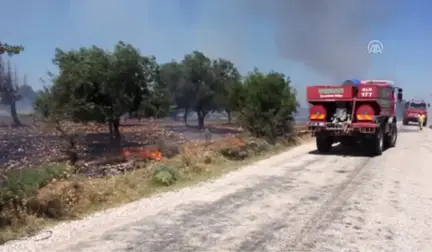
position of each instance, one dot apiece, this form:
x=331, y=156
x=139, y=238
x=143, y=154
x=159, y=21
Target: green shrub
x=19, y=184
x=257, y=146
x=165, y=175
x=234, y=153
x=207, y=158
x=266, y=103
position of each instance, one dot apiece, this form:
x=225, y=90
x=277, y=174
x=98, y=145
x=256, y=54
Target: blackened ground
x=33, y=144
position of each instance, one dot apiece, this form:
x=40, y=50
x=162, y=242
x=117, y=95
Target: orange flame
x=236, y=142
x=141, y=154
x=155, y=155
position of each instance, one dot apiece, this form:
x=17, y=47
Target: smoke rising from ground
x=329, y=36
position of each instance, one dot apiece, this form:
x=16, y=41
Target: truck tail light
x=365, y=113
x=318, y=113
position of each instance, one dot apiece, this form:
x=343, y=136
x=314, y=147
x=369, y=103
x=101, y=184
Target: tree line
x=94, y=84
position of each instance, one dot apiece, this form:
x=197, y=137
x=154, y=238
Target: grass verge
x=31, y=199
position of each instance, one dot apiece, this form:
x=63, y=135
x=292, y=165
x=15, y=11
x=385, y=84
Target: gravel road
x=296, y=201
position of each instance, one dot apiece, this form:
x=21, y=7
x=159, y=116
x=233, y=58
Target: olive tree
x=266, y=103
x=98, y=85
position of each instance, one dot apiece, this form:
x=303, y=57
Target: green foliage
x=199, y=84
x=227, y=77
x=172, y=76
x=10, y=49
x=251, y=148
x=18, y=184
x=266, y=103
x=257, y=146
x=44, y=103
x=158, y=104
x=98, y=85
x=235, y=153
x=165, y=175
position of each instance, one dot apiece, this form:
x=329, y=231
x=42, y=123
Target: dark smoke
x=329, y=36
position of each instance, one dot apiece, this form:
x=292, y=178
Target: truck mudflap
x=342, y=128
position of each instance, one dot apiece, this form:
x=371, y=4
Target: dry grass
x=49, y=194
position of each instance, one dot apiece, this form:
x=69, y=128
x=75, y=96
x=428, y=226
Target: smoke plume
x=329, y=36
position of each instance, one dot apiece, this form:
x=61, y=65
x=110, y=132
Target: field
x=36, y=143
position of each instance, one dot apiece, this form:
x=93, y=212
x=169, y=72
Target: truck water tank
x=354, y=82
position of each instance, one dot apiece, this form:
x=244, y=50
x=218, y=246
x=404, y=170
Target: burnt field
x=36, y=143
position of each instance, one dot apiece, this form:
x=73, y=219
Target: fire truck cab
x=413, y=109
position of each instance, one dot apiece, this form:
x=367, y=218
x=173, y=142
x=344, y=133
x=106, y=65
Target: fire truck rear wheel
x=324, y=143
x=405, y=122
x=390, y=139
x=377, y=143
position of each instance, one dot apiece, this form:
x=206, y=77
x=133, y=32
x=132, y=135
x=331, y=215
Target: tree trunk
x=174, y=116
x=14, y=114
x=116, y=128
x=71, y=150
x=201, y=117
x=111, y=130
x=185, y=117
x=229, y=116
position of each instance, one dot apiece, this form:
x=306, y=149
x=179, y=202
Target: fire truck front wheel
x=425, y=122
x=324, y=143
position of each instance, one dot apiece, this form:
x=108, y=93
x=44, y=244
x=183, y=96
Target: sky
x=313, y=42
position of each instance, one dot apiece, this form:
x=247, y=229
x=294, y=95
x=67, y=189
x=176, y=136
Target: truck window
x=417, y=105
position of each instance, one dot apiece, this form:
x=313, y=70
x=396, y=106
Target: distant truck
x=413, y=109
x=362, y=112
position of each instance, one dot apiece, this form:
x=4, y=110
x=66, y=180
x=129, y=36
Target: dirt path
x=294, y=201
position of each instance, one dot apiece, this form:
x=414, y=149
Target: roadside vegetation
x=95, y=86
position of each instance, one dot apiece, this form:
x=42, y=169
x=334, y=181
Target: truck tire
x=425, y=122
x=377, y=143
x=324, y=143
x=390, y=139
x=405, y=122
